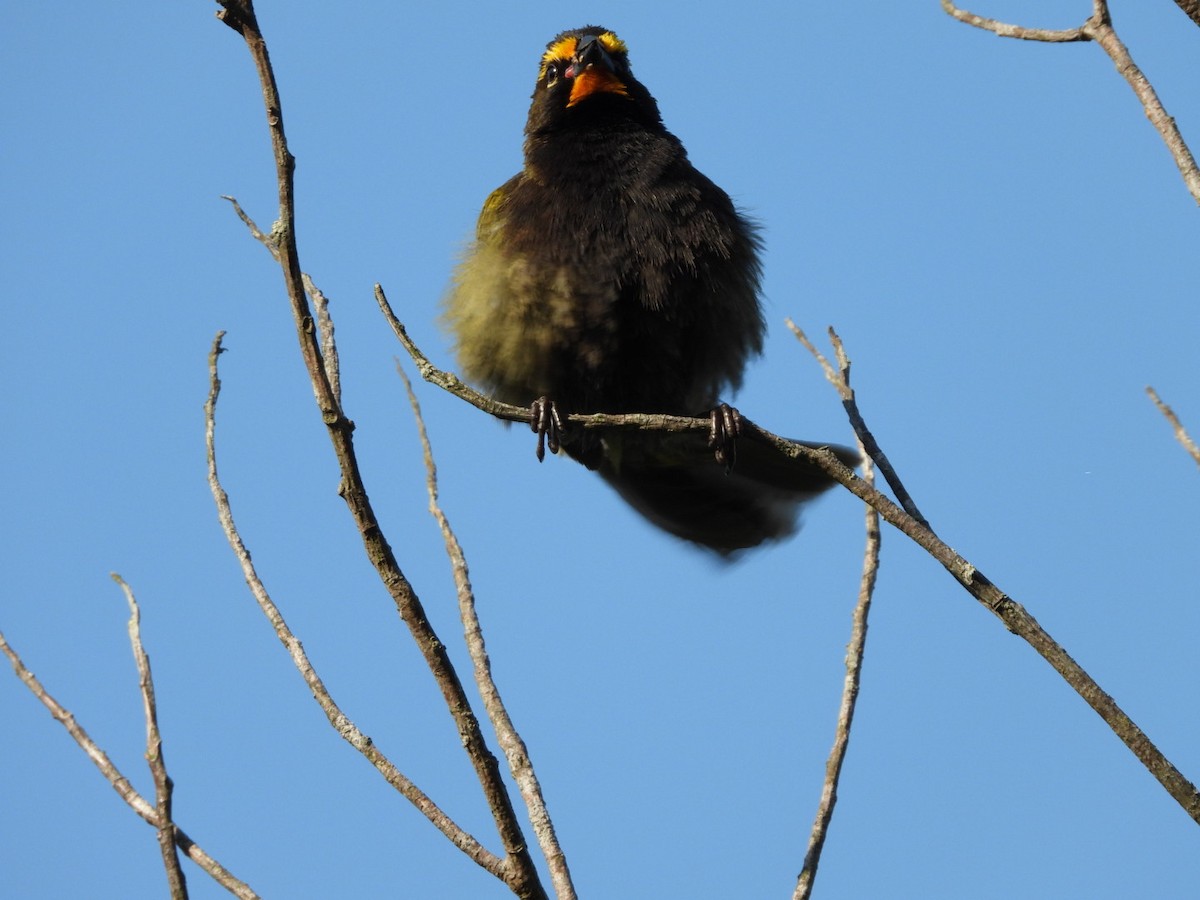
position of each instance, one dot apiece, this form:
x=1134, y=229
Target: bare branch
x=339, y=720
x=1014, y=616
x=1181, y=434
x=855, y=652
x=1099, y=28
x=266, y=240
x=1011, y=613
x=120, y=783
x=841, y=383
x=520, y=874
x=163, y=785
x=1102, y=32
x=1191, y=8
x=510, y=740
x=1020, y=32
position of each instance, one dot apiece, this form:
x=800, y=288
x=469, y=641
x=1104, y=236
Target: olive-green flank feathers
x=611, y=276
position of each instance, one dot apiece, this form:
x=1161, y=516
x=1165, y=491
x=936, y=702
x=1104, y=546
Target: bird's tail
x=676, y=484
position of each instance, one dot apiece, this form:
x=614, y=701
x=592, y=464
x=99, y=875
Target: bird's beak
x=592, y=71
x=588, y=52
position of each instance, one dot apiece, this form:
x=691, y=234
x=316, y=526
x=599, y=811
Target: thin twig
x=1181, y=434
x=841, y=383
x=329, y=351
x=1099, y=28
x=119, y=782
x=163, y=786
x=268, y=241
x=510, y=740
x=1014, y=616
x=855, y=653
x=339, y=720
x=519, y=873
x=320, y=302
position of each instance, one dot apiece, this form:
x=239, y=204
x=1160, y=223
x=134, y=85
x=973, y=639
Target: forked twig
x=855, y=654
x=163, y=785
x=119, y=782
x=338, y=719
x=1099, y=28
x=1014, y=616
x=510, y=740
x=841, y=383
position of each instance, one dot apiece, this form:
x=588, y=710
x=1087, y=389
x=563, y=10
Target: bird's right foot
x=545, y=421
x=725, y=426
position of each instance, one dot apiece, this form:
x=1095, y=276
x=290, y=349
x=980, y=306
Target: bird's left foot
x=723, y=432
x=545, y=421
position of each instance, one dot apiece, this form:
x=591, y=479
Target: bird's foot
x=545, y=421
x=723, y=432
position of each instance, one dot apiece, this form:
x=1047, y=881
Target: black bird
x=611, y=276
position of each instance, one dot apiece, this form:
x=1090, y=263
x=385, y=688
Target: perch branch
x=1010, y=612
x=451, y=383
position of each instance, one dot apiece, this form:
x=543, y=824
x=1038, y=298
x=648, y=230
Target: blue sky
x=992, y=226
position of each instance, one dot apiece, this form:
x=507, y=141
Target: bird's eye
x=551, y=73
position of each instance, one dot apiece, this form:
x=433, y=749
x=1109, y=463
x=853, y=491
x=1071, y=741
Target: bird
x=610, y=275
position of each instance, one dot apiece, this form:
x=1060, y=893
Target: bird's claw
x=545, y=421
x=724, y=429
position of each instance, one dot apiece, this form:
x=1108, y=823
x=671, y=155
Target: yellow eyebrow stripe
x=559, y=50
x=612, y=43
x=563, y=49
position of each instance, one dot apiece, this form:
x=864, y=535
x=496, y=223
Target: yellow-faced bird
x=610, y=276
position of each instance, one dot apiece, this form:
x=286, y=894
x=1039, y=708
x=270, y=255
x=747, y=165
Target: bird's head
x=585, y=76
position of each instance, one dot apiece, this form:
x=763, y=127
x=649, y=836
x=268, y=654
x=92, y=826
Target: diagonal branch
x=841, y=382
x=855, y=652
x=1099, y=28
x=510, y=740
x=1181, y=434
x=338, y=719
x=1191, y=8
x=119, y=782
x=520, y=874
x=1014, y=616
